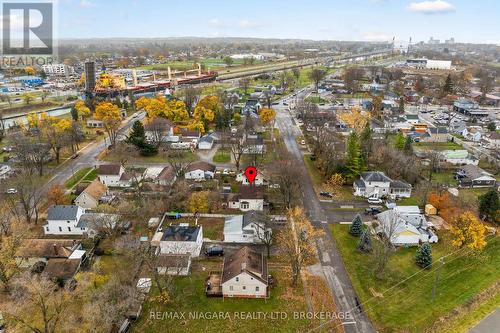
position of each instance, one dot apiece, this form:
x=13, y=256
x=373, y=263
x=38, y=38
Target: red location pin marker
x=251, y=173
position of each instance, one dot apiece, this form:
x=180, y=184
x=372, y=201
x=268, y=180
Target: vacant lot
x=402, y=300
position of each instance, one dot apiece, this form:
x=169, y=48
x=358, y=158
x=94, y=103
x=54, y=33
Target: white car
x=303, y=142
x=374, y=200
x=11, y=191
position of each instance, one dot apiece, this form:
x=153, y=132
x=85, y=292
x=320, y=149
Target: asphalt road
x=489, y=324
x=87, y=156
x=331, y=262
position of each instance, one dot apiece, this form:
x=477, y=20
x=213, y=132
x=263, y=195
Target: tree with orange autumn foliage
x=447, y=206
x=57, y=195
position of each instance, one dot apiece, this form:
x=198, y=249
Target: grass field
x=189, y=297
x=402, y=300
x=222, y=156
x=212, y=64
x=437, y=145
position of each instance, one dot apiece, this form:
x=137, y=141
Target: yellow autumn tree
x=334, y=184
x=109, y=114
x=297, y=242
x=159, y=106
x=198, y=202
x=82, y=109
x=468, y=231
x=29, y=70
x=355, y=119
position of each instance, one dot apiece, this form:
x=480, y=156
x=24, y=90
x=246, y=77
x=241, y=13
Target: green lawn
x=438, y=145
x=222, y=156
x=92, y=175
x=314, y=99
x=189, y=297
x=402, y=300
x=77, y=177
x=316, y=177
x=412, y=201
x=444, y=177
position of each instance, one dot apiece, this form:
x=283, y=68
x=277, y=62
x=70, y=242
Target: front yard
x=402, y=300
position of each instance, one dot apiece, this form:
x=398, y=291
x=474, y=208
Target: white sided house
x=91, y=196
x=247, y=228
x=63, y=220
x=179, y=239
x=112, y=175
x=200, y=171
x=375, y=184
x=406, y=226
x=248, y=198
x=259, y=180
x=245, y=275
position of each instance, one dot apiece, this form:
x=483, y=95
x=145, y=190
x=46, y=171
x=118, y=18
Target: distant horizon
x=266, y=38
x=316, y=20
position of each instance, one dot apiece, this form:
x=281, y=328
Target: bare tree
x=35, y=296
x=237, y=146
x=244, y=84
x=179, y=162
x=384, y=250
x=297, y=242
x=32, y=152
x=26, y=202
x=286, y=175
x=190, y=96
x=263, y=230
x=316, y=76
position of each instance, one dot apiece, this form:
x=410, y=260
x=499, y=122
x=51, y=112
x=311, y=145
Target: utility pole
x=436, y=280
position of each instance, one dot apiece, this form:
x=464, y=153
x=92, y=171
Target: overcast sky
x=377, y=20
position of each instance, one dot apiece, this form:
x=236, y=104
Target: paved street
x=332, y=266
x=489, y=324
x=87, y=157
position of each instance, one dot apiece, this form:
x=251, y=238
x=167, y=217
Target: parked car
x=326, y=194
x=374, y=201
x=11, y=191
x=214, y=251
x=372, y=211
x=303, y=142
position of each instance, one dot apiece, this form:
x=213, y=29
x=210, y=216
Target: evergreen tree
x=400, y=141
x=366, y=140
x=408, y=148
x=489, y=206
x=365, y=242
x=354, y=162
x=356, y=227
x=74, y=113
x=448, y=85
x=423, y=258
x=401, y=107
x=137, y=136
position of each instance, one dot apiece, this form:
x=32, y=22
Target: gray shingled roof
x=62, y=212
x=375, y=176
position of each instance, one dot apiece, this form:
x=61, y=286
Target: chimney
x=243, y=266
x=55, y=248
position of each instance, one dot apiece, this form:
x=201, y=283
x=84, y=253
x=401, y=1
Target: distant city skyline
x=363, y=20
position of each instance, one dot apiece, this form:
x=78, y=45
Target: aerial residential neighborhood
x=231, y=166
